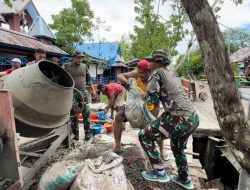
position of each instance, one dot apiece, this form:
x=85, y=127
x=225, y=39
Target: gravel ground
x=134, y=164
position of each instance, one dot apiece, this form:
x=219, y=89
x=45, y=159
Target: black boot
x=87, y=135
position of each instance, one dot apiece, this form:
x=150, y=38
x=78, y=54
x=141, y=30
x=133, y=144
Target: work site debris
x=60, y=175
x=105, y=172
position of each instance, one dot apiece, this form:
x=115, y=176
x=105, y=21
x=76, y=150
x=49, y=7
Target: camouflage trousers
x=85, y=113
x=178, y=128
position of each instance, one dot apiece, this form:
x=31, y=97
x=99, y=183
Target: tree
x=236, y=39
x=191, y=66
x=8, y=3
x=227, y=104
x=73, y=24
x=153, y=32
x=125, y=45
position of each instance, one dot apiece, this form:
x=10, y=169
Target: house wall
x=14, y=21
x=92, y=70
x=46, y=41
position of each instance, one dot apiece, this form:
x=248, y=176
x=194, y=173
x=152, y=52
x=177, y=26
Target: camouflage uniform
x=77, y=101
x=178, y=121
x=81, y=76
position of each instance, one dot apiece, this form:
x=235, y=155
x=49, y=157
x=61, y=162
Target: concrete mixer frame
x=10, y=166
x=41, y=148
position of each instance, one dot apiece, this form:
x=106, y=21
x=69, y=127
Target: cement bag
x=133, y=107
x=60, y=175
x=103, y=173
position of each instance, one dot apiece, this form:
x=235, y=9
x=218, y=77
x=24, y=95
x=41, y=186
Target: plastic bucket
x=79, y=116
x=102, y=116
x=96, y=129
x=108, y=127
x=94, y=116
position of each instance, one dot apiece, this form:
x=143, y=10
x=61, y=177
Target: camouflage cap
x=160, y=56
x=77, y=53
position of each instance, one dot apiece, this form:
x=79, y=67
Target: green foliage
x=73, y=24
x=192, y=65
x=125, y=45
x=153, y=32
x=236, y=39
x=8, y=3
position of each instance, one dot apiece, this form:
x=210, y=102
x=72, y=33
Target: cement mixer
x=42, y=97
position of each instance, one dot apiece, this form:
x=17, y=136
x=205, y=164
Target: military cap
x=160, y=56
x=77, y=53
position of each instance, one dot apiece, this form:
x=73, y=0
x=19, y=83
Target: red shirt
x=8, y=71
x=114, y=89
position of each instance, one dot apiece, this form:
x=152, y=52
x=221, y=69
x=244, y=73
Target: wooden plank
x=209, y=158
x=201, y=132
x=10, y=166
x=32, y=145
x=15, y=186
x=197, y=172
x=196, y=163
x=216, y=139
x=33, y=154
x=67, y=141
x=227, y=152
x=23, y=160
x=62, y=134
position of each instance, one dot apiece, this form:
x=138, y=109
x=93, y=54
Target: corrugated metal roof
x=2, y=19
x=40, y=28
x=240, y=55
x=20, y=40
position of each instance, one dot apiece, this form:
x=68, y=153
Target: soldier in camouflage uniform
x=178, y=121
x=79, y=72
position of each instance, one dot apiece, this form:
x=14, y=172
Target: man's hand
x=106, y=110
x=94, y=95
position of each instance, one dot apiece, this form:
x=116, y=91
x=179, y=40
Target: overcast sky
x=120, y=15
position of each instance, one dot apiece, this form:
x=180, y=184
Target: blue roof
x=106, y=50
x=246, y=27
x=40, y=28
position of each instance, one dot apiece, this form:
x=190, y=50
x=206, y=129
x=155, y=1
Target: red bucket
x=94, y=116
x=108, y=127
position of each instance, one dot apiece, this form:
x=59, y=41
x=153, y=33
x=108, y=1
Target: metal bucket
x=42, y=97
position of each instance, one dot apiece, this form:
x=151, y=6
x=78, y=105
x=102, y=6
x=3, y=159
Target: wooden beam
x=33, y=154
x=33, y=145
x=227, y=152
x=216, y=139
x=15, y=186
x=209, y=158
x=62, y=134
x=10, y=166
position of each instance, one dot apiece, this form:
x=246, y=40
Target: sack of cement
x=97, y=106
x=133, y=108
x=105, y=172
x=60, y=175
x=103, y=139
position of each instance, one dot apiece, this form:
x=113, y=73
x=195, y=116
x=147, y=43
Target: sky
x=120, y=15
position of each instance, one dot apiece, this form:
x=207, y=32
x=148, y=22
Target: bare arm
x=3, y=73
x=111, y=103
x=123, y=77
